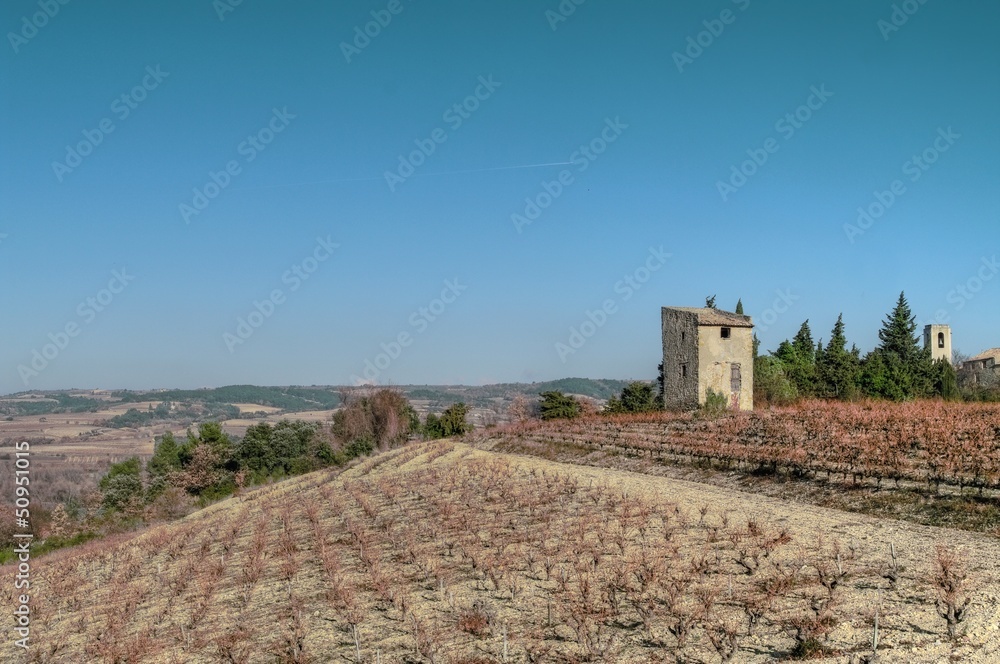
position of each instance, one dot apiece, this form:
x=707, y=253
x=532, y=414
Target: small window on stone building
x=683, y=334
x=725, y=333
x=940, y=339
x=684, y=371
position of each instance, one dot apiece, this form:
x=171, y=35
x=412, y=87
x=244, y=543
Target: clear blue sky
x=552, y=85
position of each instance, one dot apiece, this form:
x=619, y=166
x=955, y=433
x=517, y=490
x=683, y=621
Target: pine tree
x=739, y=306
x=710, y=302
x=903, y=370
x=897, y=333
x=803, y=344
x=836, y=367
x=798, y=360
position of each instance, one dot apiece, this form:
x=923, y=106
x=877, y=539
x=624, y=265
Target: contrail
x=470, y=170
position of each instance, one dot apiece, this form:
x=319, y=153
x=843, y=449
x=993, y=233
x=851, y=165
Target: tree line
x=898, y=369
x=207, y=464
x=210, y=464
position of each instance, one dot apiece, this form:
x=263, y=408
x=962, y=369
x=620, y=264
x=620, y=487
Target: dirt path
x=915, y=546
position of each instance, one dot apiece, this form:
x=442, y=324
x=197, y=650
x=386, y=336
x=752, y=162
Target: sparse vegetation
x=466, y=557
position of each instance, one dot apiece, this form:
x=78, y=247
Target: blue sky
x=436, y=261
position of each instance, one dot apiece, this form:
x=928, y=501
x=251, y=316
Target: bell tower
x=938, y=339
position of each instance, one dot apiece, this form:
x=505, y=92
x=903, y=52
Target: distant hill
x=44, y=403
x=290, y=399
x=485, y=395
x=598, y=389
x=298, y=399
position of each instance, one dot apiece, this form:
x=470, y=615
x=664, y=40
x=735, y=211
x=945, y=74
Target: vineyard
x=444, y=553
x=932, y=443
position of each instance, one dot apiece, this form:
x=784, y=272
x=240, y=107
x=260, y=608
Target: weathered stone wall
x=716, y=357
x=680, y=349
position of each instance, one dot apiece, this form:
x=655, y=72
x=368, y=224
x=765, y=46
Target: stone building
x=981, y=370
x=706, y=349
x=988, y=359
x=938, y=339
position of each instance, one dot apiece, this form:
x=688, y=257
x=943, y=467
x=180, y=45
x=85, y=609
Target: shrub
x=451, y=423
x=122, y=485
x=476, y=620
x=715, y=404
x=949, y=579
x=636, y=397
x=383, y=417
x=556, y=405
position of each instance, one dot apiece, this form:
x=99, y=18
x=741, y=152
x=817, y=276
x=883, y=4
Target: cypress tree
x=803, y=344
x=836, y=367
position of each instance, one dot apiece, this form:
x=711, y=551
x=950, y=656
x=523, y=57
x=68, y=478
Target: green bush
x=556, y=405
x=636, y=397
x=715, y=404
x=451, y=423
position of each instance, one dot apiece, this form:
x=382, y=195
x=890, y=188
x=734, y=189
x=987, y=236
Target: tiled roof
x=986, y=354
x=718, y=317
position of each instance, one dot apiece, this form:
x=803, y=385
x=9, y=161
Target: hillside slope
x=444, y=553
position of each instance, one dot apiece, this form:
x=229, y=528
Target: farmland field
x=441, y=552
x=927, y=442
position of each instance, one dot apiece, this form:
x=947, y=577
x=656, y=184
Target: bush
x=636, y=397
x=476, y=620
x=122, y=486
x=383, y=417
x=356, y=448
x=556, y=405
x=771, y=385
x=451, y=423
x=715, y=404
